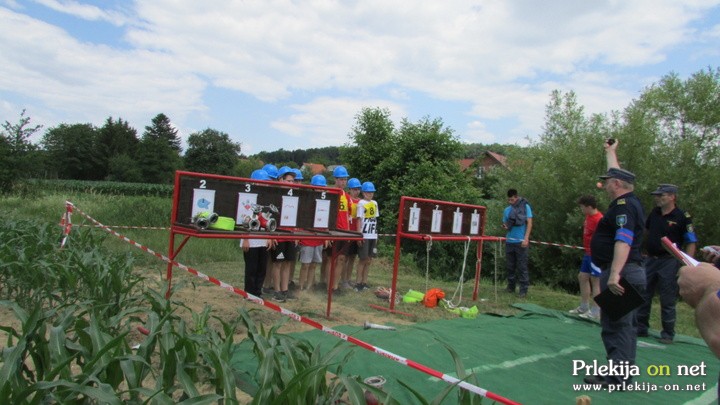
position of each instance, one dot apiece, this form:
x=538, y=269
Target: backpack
x=518, y=213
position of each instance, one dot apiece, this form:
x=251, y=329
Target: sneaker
x=590, y=315
x=337, y=291
x=522, y=295
x=360, y=287
x=292, y=286
x=510, y=290
x=278, y=297
x=665, y=341
x=268, y=290
x=321, y=286
x=578, y=311
x=289, y=296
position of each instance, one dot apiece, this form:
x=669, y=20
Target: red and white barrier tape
x=402, y=360
x=66, y=222
x=502, y=238
x=547, y=243
x=158, y=228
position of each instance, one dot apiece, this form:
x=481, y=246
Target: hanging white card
x=288, y=213
x=203, y=201
x=322, y=214
x=436, y=225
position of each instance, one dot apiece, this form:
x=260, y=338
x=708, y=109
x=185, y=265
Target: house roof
x=314, y=168
x=494, y=159
x=501, y=159
x=465, y=163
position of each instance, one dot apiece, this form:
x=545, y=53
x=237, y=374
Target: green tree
x=116, y=138
x=211, y=151
x=368, y=158
x=124, y=167
x=418, y=159
x=552, y=173
x=683, y=117
x=245, y=167
x=159, y=150
x=17, y=153
x=162, y=130
x=70, y=151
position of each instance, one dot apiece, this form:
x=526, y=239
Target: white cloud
x=476, y=132
x=89, y=82
x=85, y=11
x=328, y=121
x=503, y=58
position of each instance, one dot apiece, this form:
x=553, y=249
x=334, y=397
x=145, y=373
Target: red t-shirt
x=343, y=217
x=311, y=242
x=589, y=227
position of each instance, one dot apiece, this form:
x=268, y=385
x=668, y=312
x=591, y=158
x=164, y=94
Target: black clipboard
x=617, y=306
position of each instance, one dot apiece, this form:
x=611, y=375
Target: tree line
x=114, y=152
x=111, y=152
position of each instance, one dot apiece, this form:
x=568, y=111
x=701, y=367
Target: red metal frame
x=286, y=233
x=400, y=234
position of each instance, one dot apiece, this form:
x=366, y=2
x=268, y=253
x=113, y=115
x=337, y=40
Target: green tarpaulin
x=528, y=358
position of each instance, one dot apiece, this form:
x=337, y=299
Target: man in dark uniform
x=661, y=268
x=615, y=248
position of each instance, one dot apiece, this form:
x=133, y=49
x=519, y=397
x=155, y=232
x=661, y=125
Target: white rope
x=428, y=247
x=496, y=271
x=461, y=281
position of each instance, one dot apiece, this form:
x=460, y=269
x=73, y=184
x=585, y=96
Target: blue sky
x=294, y=74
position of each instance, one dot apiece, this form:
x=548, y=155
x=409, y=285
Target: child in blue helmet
x=340, y=174
x=353, y=186
x=298, y=176
x=255, y=253
x=271, y=170
x=311, y=250
x=284, y=253
x=367, y=213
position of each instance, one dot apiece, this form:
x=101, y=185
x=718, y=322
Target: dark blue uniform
x=661, y=268
x=623, y=222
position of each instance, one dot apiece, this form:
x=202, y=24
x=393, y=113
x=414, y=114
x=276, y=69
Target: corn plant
x=98, y=187
x=34, y=269
x=292, y=371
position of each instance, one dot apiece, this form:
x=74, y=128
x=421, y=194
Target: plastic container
x=223, y=224
x=413, y=296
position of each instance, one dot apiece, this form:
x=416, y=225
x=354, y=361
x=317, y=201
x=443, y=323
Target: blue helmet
x=318, y=180
x=354, y=183
x=340, y=171
x=368, y=187
x=260, y=174
x=298, y=174
x=285, y=170
x=271, y=170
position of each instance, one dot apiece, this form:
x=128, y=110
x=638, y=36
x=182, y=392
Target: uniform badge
x=621, y=201
x=671, y=223
x=621, y=220
x=691, y=229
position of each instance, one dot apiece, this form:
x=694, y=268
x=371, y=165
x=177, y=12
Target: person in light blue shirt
x=518, y=220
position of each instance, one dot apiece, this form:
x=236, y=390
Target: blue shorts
x=588, y=267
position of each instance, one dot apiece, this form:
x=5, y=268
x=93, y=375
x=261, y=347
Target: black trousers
x=255, y=269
